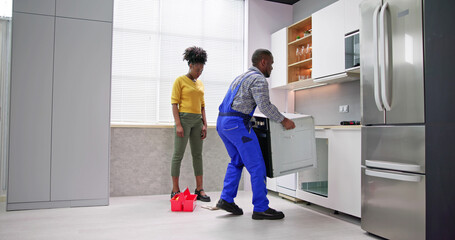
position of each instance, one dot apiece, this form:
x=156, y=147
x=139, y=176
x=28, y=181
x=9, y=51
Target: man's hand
x=288, y=124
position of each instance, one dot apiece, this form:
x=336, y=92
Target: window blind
x=149, y=39
x=6, y=8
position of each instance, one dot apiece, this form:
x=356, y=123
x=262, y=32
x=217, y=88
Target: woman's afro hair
x=195, y=55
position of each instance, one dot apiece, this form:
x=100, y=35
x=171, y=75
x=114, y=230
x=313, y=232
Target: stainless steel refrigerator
x=393, y=131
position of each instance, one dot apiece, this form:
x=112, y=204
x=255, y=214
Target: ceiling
x=290, y=2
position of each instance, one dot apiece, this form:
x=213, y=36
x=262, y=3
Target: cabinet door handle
x=393, y=176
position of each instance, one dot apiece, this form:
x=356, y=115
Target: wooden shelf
x=298, y=28
x=302, y=41
x=299, y=68
x=307, y=63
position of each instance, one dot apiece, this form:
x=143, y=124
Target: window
x=6, y=8
x=149, y=39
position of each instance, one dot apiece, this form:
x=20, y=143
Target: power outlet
x=343, y=108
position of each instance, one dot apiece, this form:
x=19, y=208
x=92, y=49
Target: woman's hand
x=179, y=130
x=204, y=132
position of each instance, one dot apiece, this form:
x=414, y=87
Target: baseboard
x=57, y=204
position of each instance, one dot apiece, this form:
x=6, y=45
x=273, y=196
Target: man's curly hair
x=195, y=55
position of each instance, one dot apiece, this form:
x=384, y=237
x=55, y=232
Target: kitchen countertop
x=321, y=127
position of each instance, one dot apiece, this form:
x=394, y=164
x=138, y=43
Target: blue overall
x=243, y=147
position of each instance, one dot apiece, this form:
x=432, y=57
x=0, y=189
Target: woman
x=189, y=116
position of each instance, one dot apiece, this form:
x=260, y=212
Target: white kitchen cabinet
x=31, y=108
x=81, y=100
x=287, y=184
x=271, y=184
x=343, y=161
x=100, y=10
x=291, y=71
x=344, y=170
x=351, y=15
x=328, y=40
x=60, y=106
x=43, y=7
x=279, y=50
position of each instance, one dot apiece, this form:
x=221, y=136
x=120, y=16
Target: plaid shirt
x=254, y=91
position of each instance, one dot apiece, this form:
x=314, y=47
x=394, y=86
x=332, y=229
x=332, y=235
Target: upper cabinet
x=311, y=52
x=100, y=10
x=351, y=15
x=43, y=7
x=278, y=77
x=300, y=50
x=292, y=51
x=328, y=40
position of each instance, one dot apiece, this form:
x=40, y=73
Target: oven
x=261, y=128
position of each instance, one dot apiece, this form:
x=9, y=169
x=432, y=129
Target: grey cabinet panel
x=81, y=110
x=31, y=102
x=101, y=10
x=46, y=7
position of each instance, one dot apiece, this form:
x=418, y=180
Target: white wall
x=264, y=18
x=304, y=8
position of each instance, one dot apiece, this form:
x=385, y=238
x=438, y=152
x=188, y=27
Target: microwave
x=352, y=50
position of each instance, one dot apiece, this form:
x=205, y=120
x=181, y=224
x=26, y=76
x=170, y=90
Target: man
x=245, y=93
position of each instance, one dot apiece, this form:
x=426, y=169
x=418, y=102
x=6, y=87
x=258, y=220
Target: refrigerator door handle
x=393, y=166
x=394, y=176
x=376, y=86
x=384, y=57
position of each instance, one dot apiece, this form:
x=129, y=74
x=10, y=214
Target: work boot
x=270, y=214
x=230, y=207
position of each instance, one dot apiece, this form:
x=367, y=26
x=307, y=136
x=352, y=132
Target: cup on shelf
x=297, y=54
x=309, y=51
x=302, y=53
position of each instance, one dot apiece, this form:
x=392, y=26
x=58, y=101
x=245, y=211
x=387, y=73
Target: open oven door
x=286, y=151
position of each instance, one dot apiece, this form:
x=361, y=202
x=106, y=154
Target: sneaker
x=270, y=214
x=204, y=198
x=230, y=207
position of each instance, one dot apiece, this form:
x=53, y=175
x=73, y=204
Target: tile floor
x=150, y=217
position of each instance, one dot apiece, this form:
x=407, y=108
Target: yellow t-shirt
x=188, y=95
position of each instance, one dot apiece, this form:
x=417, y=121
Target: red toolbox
x=183, y=202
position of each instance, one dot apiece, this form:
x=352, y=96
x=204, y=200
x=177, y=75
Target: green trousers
x=192, y=128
